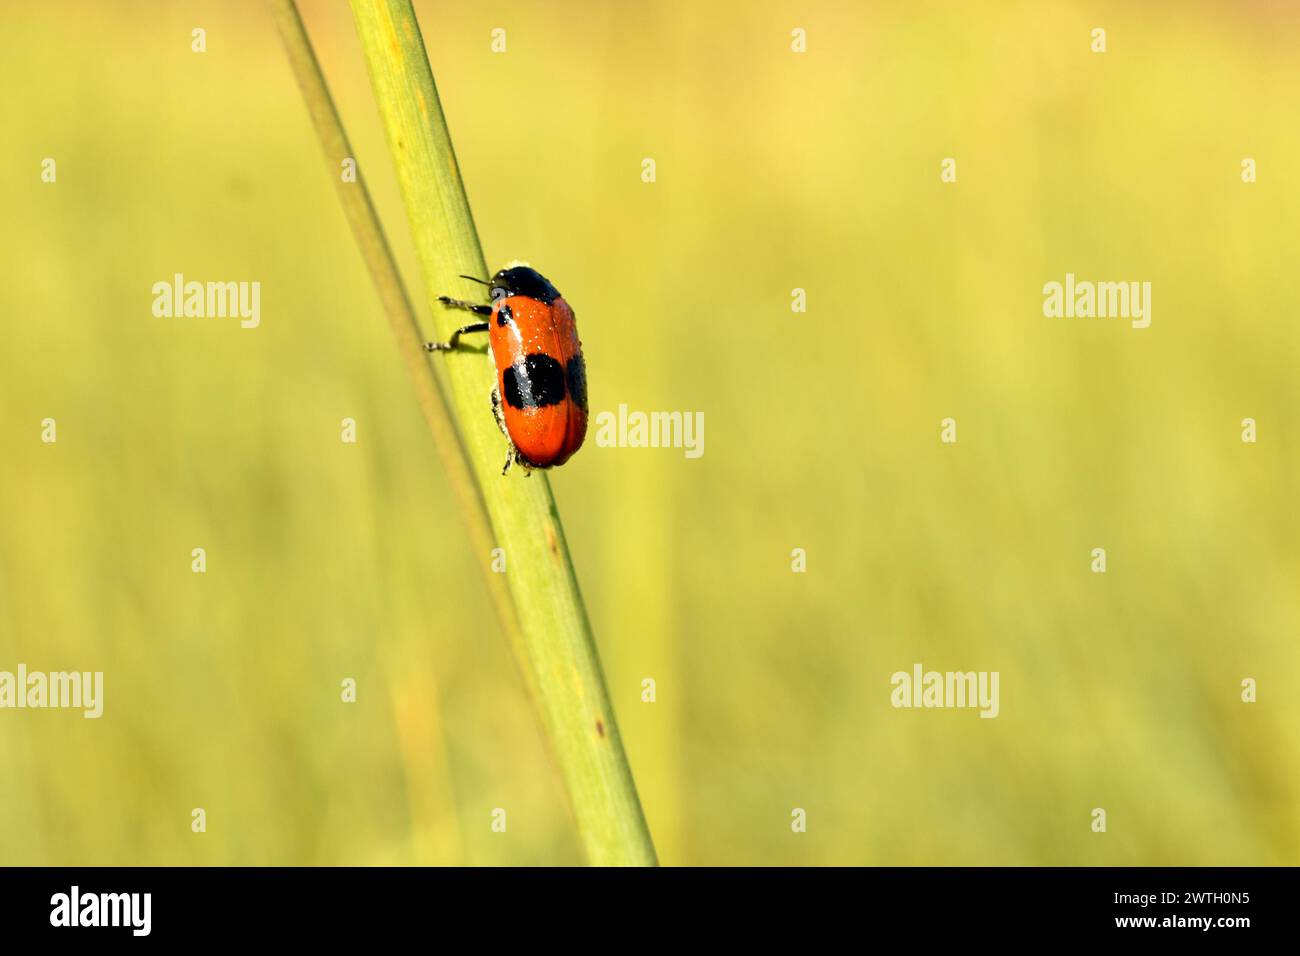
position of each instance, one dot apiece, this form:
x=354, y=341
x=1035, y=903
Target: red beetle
x=540, y=396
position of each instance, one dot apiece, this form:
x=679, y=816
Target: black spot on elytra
x=535, y=382
x=504, y=315
x=577, y=374
x=522, y=280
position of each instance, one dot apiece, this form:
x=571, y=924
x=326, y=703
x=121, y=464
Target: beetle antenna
x=479, y=281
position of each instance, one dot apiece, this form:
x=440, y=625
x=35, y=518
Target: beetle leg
x=497, y=413
x=514, y=458
x=513, y=455
x=451, y=343
x=468, y=306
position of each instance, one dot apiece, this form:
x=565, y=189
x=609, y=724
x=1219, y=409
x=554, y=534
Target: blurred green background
x=775, y=171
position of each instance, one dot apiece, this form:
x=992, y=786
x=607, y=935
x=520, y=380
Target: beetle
x=540, y=396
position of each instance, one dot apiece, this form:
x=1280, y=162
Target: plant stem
x=555, y=646
x=363, y=219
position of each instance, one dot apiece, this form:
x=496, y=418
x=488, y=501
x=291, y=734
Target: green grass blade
x=378, y=257
x=557, y=645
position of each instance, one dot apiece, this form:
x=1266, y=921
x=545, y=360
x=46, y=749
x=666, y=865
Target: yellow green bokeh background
x=775, y=171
